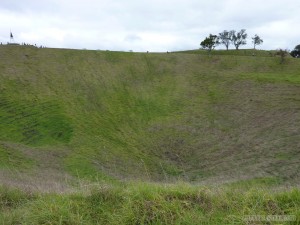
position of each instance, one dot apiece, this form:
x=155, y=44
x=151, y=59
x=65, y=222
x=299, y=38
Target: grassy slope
x=153, y=116
x=107, y=115
x=240, y=52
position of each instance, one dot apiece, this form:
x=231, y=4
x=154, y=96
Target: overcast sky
x=141, y=25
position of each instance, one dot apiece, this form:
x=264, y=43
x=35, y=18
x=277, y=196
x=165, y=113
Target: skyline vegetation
x=228, y=38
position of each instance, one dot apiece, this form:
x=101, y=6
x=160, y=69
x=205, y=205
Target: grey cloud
x=146, y=25
x=132, y=38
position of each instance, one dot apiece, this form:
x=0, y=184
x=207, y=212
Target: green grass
x=259, y=182
x=33, y=123
x=142, y=203
x=12, y=159
x=120, y=121
x=292, y=78
x=233, y=52
x=154, y=116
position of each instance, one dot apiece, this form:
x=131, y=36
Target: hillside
x=112, y=116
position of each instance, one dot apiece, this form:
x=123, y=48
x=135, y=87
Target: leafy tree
x=226, y=38
x=296, y=52
x=239, y=38
x=257, y=40
x=210, y=42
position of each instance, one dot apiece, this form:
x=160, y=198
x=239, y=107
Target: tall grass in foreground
x=144, y=203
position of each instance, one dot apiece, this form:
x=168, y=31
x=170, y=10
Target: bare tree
x=239, y=38
x=226, y=38
x=257, y=40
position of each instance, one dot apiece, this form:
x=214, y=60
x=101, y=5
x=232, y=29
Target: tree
x=296, y=52
x=257, y=40
x=226, y=38
x=210, y=42
x=239, y=38
x=282, y=53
